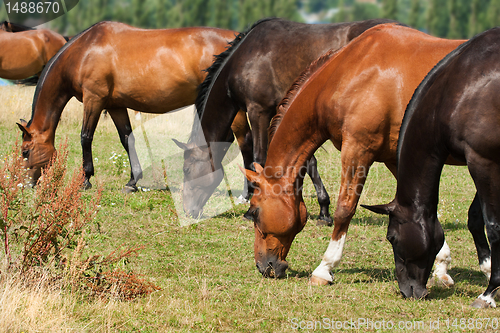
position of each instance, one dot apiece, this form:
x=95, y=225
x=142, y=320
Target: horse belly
x=152, y=98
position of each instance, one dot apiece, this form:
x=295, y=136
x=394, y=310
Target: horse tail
x=29, y=82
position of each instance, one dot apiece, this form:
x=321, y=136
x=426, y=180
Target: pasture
x=206, y=270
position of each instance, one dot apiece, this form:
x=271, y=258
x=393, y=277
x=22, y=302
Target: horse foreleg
x=122, y=122
x=354, y=172
x=243, y=134
x=91, y=112
x=323, y=197
x=260, y=120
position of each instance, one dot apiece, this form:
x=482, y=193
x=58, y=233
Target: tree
x=390, y=9
x=438, y=18
x=414, y=13
x=494, y=13
x=365, y=11
x=453, y=31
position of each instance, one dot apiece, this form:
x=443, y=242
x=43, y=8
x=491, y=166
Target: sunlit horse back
x=356, y=98
x=25, y=53
x=114, y=66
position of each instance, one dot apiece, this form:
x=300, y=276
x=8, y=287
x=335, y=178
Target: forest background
x=443, y=18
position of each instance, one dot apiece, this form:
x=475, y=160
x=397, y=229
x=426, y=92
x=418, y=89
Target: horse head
x=279, y=213
x=200, y=177
x=37, y=150
x=416, y=239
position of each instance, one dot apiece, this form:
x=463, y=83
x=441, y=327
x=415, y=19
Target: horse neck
x=51, y=97
x=298, y=136
x=420, y=164
x=218, y=114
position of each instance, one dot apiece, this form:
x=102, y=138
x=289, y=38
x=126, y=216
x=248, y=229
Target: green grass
x=207, y=272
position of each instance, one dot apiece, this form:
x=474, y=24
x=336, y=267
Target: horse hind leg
x=122, y=122
x=323, y=197
x=486, y=175
x=476, y=228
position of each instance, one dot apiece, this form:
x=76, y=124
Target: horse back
x=275, y=52
x=141, y=68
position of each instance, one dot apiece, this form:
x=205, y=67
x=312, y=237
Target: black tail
x=31, y=81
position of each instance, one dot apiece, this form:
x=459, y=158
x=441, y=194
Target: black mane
x=219, y=62
x=422, y=88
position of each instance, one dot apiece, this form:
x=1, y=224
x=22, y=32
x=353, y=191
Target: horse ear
x=181, y=145
x=22, y=127
x=252, y=176
x=381, y=209
x=258, y=167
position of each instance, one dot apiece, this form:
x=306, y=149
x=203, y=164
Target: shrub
x=46, y=227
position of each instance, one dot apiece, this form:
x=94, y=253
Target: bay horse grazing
x=356, y=98
x=25, y=53
x=455, y=112
x=253, y=75
x=114, y=66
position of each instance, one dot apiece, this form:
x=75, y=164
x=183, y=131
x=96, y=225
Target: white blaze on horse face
x=485, y=267
x=331, y=259
x=443, y=260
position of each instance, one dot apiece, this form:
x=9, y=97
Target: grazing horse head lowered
x=253, y=75
x=114, y=66
x=455, y=113
x=354, y=97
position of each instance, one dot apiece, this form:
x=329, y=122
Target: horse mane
x=14, y=27
x=49, y=65
x=219, y=61
x=422, y=89
x=296, y=87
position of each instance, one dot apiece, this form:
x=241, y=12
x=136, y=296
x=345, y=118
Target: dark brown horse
x=356, y=98
x=114, y=66
x=455, y=112
x=253, y=76
x=24, y=53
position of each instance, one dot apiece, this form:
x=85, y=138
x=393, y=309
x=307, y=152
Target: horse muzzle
x=272, y=268
x=411, y=290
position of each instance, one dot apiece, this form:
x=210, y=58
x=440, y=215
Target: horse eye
x=391, y=238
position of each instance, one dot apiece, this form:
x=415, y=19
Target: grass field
x=206, y=270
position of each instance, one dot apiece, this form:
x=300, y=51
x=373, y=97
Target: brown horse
x=25, y=53
x=355, y=97
x=454, y=112
x=253, y=75
x=114, y=66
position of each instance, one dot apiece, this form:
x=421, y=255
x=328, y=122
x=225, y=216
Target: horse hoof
x=443, y=281
x=317, y=281
x=324, y=221
x=129, y=189
x=481, y=304
x=86, y=185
